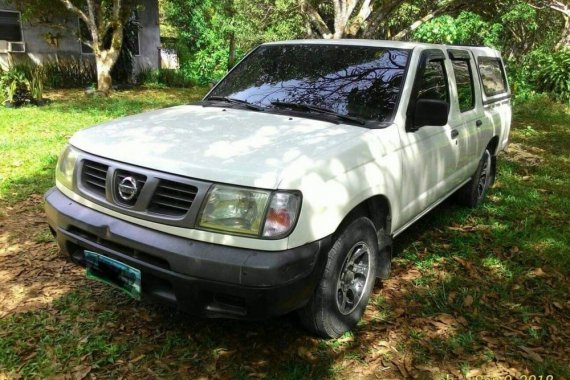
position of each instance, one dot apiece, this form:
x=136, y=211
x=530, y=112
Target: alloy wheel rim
x=353, y=278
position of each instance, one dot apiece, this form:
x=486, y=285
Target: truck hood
x=222, y=144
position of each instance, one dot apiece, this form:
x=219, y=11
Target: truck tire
x=473, y=193
x=347, y=282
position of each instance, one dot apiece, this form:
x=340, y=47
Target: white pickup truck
x=283, y=188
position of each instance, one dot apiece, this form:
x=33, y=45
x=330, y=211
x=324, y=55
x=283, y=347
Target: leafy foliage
x=37, y=78
x=69, y=72
x=205, y=29
x=15, y=87
x=526, y=36
x=553, y=74
x=163, y=78
x=466, y=29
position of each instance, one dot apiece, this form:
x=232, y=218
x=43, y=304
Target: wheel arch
x=493, y=145
x=377, y=208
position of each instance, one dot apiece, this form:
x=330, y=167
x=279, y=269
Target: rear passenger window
x=434, y=83
x=492, y=76
x=465, y=87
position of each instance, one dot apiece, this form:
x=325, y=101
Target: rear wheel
x=348, y=279
x=473, y=193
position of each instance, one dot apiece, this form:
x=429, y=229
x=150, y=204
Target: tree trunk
x=104, y=80
x=105, y=60
x=232, y=53
x=105, y=57
x=565, y=40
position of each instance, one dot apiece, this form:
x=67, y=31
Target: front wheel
x=348, y=279
x=473, y=193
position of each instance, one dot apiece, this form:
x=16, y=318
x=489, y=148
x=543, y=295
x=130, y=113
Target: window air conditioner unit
x=3, y=46
x=17, y=47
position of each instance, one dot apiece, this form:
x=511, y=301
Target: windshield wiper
x=317, y=109
x=235, y=101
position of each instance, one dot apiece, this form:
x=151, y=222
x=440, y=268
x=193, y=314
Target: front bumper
x=200, y=278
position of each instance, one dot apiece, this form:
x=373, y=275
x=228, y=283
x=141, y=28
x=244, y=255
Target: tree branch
x=74, y=9
x=116, y=10
x=317, y=20
x=358, y=21
x=379, y=14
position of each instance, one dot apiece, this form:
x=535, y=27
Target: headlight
x=65, y=166
x=235, y=210
x=250, y=211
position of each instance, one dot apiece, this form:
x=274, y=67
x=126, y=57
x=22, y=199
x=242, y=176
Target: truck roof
x=480, y=50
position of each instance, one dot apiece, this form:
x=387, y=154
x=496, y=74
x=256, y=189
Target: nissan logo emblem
x=128, y=188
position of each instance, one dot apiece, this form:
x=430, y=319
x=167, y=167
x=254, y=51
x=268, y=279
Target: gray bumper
x=201, y=278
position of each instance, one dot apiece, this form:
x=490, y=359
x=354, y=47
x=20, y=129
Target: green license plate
x=114, y=273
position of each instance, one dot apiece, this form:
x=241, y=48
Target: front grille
x=172, y=198
x=148, y=194
x=94, y=176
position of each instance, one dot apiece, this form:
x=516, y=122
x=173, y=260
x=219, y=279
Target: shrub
x=541, y=106
x=69, y=73
x=149, y=78
x=553, y=74
x=15, y=87
x=160, y=78
x=36, y=79
x=35, y=76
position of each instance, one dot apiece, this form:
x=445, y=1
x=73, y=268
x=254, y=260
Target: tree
x=104, y=18
x=369, y=18
x=564, y=10
x=213, y=34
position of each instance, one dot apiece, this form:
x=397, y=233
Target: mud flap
x=384, y=255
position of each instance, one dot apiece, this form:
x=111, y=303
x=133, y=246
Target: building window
x=136, y=42
x=10, y=26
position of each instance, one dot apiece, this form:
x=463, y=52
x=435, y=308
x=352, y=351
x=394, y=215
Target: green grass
x=31, y=138
x=469, y=287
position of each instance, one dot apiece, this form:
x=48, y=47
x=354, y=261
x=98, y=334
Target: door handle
x=478, y=123
x=454, y=133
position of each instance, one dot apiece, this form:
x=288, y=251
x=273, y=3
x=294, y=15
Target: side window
x=492, y=76
x=434, y=83
x=465, y=86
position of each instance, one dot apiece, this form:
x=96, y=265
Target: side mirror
x=430, y=112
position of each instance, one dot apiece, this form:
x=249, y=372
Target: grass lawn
x=473, y=292
x=31, y=138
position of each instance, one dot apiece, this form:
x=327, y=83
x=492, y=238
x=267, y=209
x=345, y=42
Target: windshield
x=359, y=81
